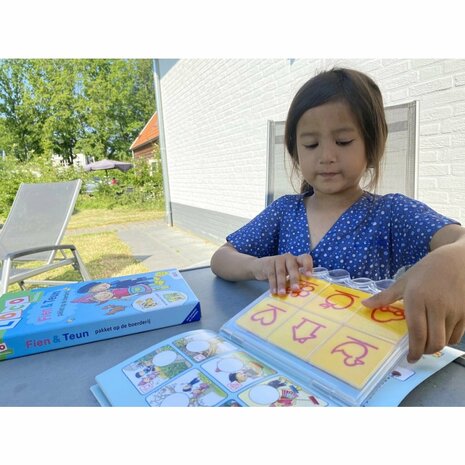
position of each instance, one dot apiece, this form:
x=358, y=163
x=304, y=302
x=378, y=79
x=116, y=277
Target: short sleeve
x=413, y=226
x=260, y=236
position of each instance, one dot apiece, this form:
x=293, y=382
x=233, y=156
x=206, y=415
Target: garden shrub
x=137, y=188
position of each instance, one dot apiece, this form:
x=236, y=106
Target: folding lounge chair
x=33, y=232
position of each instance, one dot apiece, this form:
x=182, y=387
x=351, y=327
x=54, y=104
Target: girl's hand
x=434, y=300
x=278, y=268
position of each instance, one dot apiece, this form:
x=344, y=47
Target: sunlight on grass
x=103, y=254
x=102, y=217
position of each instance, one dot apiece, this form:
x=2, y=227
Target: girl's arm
x=450, y=234
x=433, y=291
x=229, y=264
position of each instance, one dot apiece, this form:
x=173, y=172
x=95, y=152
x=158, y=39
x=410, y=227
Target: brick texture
x=216, y=111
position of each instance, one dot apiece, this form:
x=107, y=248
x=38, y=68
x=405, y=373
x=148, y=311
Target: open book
x=316, y=347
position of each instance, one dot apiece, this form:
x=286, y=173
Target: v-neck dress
x=373, y=238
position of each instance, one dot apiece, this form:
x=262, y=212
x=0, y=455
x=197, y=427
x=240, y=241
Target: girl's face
x=331, y=149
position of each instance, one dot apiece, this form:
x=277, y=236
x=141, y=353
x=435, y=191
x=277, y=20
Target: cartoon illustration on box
x=42, y=319
x=102, y=293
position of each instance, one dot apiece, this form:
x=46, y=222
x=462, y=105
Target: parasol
x=108, y=165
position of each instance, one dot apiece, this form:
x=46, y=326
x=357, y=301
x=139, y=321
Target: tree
x=119, y=97
x=21, y=123
x=57, y=97
x=69, y=106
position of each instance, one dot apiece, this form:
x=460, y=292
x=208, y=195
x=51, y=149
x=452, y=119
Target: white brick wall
x=216, y=112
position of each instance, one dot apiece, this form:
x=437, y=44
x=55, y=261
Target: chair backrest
x=38, y=217
x=399, y=165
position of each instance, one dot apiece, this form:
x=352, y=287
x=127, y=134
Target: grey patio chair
x=33, y=232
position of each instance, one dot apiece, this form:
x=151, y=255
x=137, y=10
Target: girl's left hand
x=433, y=292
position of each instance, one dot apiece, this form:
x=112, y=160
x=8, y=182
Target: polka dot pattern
x=375, y=237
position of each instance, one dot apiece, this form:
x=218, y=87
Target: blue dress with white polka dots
x=373, y=238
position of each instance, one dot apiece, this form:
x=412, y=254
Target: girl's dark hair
x=365, y=101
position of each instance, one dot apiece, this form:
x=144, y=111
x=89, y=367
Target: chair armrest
x=21, y=253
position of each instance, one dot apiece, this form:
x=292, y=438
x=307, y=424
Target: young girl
x=335, y=134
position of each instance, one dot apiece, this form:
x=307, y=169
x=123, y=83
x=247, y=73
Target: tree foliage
x=20, y=124
x=93, y=106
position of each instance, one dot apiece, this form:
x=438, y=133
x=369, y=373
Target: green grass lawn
x=103, y=253
x=99, y=217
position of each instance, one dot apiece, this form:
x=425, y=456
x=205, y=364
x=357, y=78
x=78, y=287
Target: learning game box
x=51, y=318
x=316, y=347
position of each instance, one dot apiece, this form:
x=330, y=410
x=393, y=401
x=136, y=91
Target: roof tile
x=148, y=134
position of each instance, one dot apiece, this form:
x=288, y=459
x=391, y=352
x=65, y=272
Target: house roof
x=150, y=133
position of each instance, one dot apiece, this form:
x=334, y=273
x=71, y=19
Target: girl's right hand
x=277, y=269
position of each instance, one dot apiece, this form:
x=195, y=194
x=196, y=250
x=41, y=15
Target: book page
x=199, y=369
x=325, y=334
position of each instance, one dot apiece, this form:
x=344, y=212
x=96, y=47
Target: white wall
x=215, y=117
x=216, y=111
